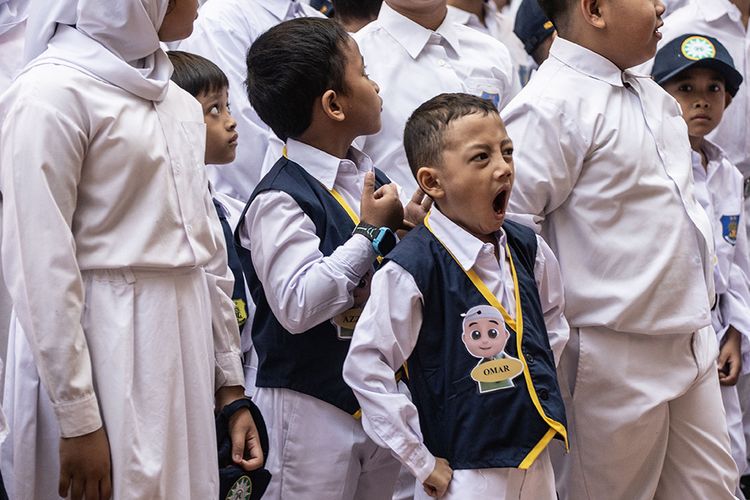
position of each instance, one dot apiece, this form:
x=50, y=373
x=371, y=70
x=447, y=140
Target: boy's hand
x=382, y=207
x=730, y=357
x=437, y=483
x=85, y=467
x=417, y=208
x=246, y=450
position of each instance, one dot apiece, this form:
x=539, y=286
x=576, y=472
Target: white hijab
x=12, y=12
x=114, y=40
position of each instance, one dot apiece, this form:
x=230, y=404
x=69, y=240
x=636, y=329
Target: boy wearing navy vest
x=310, y=235
x=473, y=305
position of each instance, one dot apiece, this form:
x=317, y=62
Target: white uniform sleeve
x=552, y=296
x=736, y=302
x=226, y=333
x=303, y=288
x=548, y=156
x=42, y=150
x=384, y=338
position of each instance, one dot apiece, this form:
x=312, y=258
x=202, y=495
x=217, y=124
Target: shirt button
x=442, y=62
x=189, y=228
x=543, y=394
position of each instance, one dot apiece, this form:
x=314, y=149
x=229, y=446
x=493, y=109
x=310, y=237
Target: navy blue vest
x=310, y=362
x=233, y=261
x=473, y=430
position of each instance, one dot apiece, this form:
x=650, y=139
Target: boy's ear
x=592, y=13
x=428, y=179
x=332, y=106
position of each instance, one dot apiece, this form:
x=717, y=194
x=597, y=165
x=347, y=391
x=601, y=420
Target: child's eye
x=715, y=88
x=214, y=110
x=480, y=157
x=685, y=88
x=508, y=153
x=229, y=109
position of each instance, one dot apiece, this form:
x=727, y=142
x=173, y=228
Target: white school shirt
x=304, y=288
x=722, y=20
x=388, y=330
x=107, y=195
x=223, y=33
x=604, y=169
x=500, y=27
x=11, y=46
x=718, y=188
x=412, y=64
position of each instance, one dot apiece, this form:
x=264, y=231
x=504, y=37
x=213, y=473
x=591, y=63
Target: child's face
x=632, y=29
x=361, y=103
x=702, y=97
x=473, y=184
x=178, y=21
x=485, y=337
x=221, y=137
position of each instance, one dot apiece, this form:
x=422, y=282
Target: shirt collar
x=465, y=18
x=586, y=61
x=281, y=9
x=323, y=166
x=465, y=247
x=412, y=36
x=715, y=9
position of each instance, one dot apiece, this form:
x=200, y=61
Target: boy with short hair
x=699, y=73
x=604, y=170
x=466, y=284
x=205, y=81
x=311, y=233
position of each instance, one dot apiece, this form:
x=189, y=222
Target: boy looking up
x=699, y=72
x=465, y=285
x=310, y=234
x=604, y=171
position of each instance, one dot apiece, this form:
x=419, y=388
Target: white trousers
x=151, y=347
x=645, y=418
x=731, y=400
x=319, y=452
x=535, y=483
x=743, y=390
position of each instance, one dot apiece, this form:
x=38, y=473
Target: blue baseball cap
x=692, y=50
x=532, y=26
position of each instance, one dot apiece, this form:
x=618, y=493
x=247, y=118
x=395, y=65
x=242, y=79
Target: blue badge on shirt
x=729, y=224
x=493, y=98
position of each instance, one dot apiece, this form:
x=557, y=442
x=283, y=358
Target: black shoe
x=745, y=485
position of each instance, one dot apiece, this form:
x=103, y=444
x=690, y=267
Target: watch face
x=386, y=241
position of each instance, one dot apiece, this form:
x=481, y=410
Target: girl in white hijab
x=125, y=335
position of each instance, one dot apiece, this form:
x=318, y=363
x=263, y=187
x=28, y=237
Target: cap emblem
x=696, y=48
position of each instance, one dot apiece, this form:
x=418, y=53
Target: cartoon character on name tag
x=484, y=335
x=347, y=320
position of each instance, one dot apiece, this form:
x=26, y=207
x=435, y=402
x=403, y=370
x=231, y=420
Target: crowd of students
x=464, y=249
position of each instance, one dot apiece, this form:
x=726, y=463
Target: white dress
x=115, y=262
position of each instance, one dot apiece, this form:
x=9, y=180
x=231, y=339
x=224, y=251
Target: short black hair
x=196, y=74
x=290, y=66
x=356, y=9
x=423, y=134
x=557, y=11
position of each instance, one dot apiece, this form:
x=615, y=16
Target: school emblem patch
x=729, y=224
x=494, y=98
x=241, y=489
x=696, y=48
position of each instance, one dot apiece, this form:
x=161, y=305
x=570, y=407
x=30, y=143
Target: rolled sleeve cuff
x=421, y=463
x=77, y=418
x=229, y=370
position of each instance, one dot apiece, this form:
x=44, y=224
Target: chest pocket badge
x=729, y=224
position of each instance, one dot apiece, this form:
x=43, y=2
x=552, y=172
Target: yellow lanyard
x=517, y=324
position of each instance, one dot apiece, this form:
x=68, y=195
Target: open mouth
x=658, y=26
x=500, y=202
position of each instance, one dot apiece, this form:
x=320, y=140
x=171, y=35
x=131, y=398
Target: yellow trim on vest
x=538, y=449
x=351, y=213
x=357, y=414
x=517, y=326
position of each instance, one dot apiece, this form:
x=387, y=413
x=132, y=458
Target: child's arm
x=552, y=297
x=730, y=357
x=548, y=151
x=41, y=156
x=384, y=338
x=304, y=288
